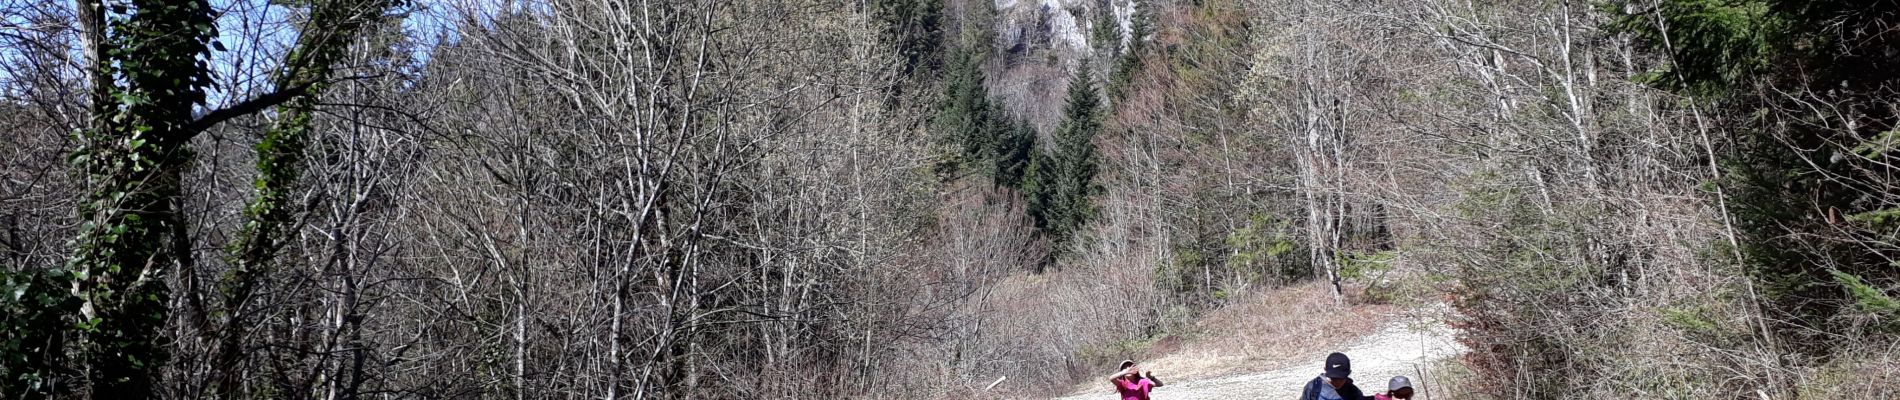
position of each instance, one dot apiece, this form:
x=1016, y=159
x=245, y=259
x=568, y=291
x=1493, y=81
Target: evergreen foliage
x=95, y=325
x=915, y=28
x=984, y=135
x=1717, y=44
x=964, y=111
x=1062, y=184
x=133, y=162
x=1105, y=32
x=1013, y=151
x=1796, y=187
x=1140, y=26
x=1056, y=184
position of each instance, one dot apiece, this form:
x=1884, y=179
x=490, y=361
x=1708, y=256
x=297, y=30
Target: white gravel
x=1396, y=349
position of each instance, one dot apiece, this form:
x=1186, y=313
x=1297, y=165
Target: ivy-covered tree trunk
x=131, y=233
x=96, y=325
x=269, y=218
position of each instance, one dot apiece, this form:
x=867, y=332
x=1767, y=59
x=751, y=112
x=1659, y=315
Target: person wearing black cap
x=1335, y=383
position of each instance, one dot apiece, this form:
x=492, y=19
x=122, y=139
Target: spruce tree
x=1105, y=30
x=1806, y=190
x=964, y=110
x=1140, y=25
x=1016, y=142
x=1065, y=180
x=915, y=28
x=982, y=134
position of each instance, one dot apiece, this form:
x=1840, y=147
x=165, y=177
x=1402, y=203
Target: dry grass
x=1871, y=372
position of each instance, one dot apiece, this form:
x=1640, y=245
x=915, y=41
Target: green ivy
x=132, y=162
x=269, y=216
x=94, y=325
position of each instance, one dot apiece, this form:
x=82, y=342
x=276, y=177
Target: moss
x=1877, y=219
x=1692, y=320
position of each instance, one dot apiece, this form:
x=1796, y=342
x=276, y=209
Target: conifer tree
x=1140, y=25
x=1064, y=181
x=983, y=135
x=1810, y=192
x=1105, y=31
x=1015, y=143
x=964, y=110
x=915, y=28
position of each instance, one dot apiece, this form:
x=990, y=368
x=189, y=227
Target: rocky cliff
x=1039, y=43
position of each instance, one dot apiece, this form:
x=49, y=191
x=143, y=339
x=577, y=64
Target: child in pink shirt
x=1133, y=383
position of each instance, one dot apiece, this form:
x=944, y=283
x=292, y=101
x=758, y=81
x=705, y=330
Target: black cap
x=1338, y=366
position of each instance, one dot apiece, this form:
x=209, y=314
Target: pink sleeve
x=1124, y=384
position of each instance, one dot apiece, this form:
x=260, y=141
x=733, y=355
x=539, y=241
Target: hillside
x=911, y=199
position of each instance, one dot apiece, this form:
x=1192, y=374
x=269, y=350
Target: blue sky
x=254, y=33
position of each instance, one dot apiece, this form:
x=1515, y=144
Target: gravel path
x=1397, y=349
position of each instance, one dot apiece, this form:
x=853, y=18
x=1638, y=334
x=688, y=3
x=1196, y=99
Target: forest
x=898, y=199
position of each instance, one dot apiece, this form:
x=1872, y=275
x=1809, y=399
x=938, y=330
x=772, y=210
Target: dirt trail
x=1397, y=348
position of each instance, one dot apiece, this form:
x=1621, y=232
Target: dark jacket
x=1348, y=392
